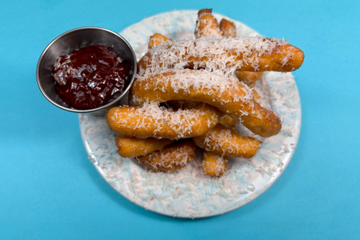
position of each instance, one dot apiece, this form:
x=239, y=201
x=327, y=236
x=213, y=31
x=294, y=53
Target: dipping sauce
x=90, y=77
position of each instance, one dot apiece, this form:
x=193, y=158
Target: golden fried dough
x=171, y=158
x=225, y=120
x=214, y=164
x=152, y=121
x=256, y=95
x=227, y=28
x=227, y=142
x=256, y=54
x=249, y=78
x=157, y=39
x=228, y=121
x=207, y=25
x=130, y=147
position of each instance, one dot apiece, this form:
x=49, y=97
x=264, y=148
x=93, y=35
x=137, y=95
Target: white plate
x=189, y=192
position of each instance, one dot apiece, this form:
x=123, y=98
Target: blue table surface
x=50, y=190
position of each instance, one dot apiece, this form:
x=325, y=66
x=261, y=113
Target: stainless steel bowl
x=74, y=40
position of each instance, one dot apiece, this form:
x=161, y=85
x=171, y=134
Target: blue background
x=50, y=190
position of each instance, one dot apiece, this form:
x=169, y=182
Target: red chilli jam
x=90, y=77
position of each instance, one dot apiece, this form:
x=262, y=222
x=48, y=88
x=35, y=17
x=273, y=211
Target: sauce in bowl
x=91, y=77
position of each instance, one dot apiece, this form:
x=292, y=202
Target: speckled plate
x=189, y=193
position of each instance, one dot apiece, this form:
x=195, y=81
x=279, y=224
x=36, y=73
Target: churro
x=254, y=54
x=227, y=142
x=227, y=28
x=157, y=39
x=130, y=147
x=214, y=164
x=158, y=122
x=171, y=158
x=207, y=25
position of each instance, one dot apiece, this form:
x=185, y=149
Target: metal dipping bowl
x=74, y=40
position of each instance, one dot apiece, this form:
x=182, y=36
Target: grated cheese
x=226, y=54
x=160, y=121
x=212, y=83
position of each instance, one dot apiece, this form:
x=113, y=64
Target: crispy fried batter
x=225, y=120
x=152, y=121
x=228, y=121
x=227, y=142
x=207, y=25
x=249, y=78
x=130, y=147
x=256, y=95
x=171, y=158
x=157, y=39
x=214, y=164
x=227, y=28
x=282, y=58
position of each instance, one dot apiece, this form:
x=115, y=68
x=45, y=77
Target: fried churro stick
x=130, y=147
x=152, y=121
x=214, y=164
x=224, y=93
x=227, y=142
x=249, y=78
x=256, y=54
x=228, y=121
x=171, y=158
x=225, y=120
x=207, y=25
x=227, y=28
x=157, y=39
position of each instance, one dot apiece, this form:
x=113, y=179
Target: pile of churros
x=190, y=94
